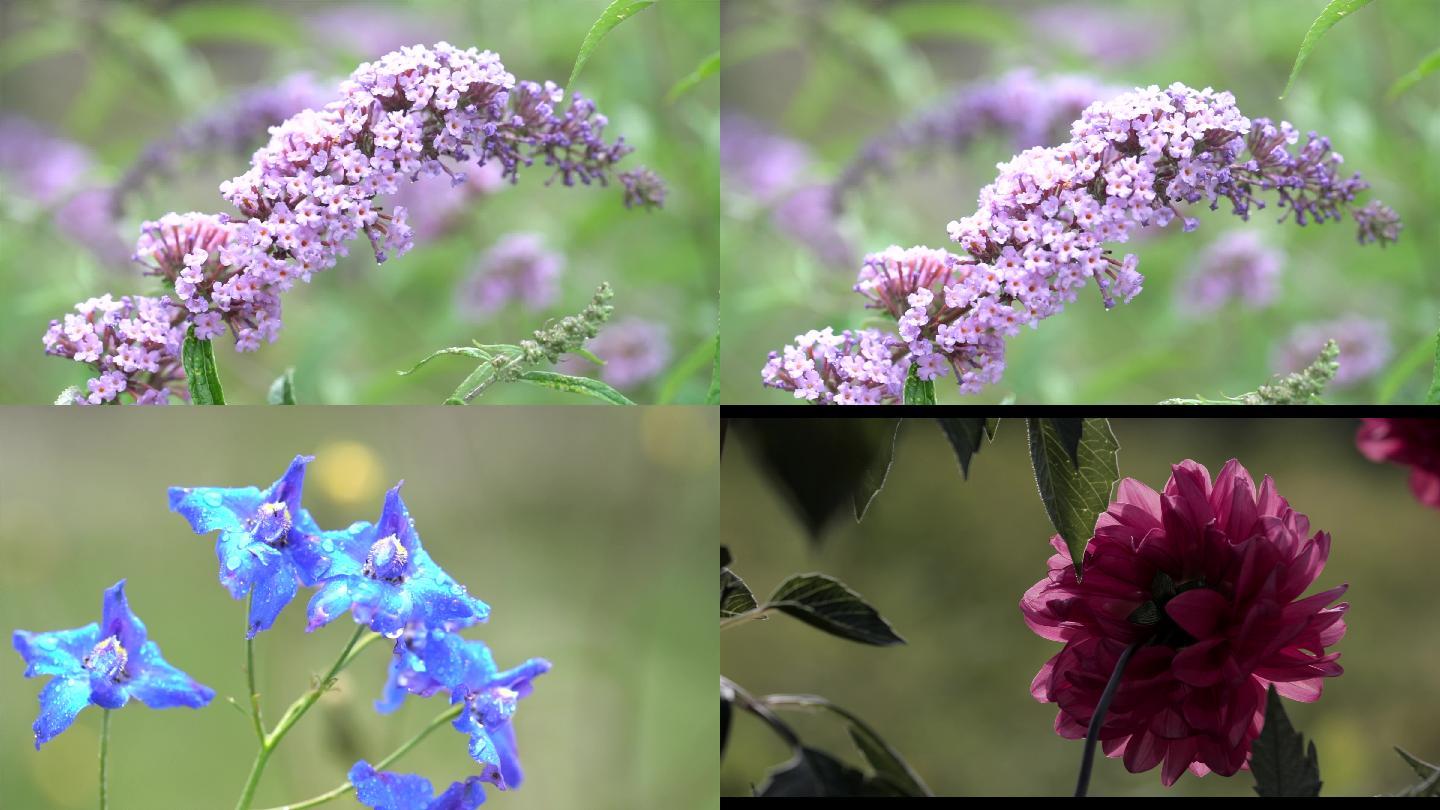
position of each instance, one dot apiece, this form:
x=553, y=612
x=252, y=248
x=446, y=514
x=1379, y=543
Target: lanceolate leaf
x=1428, y=65
x=964, y=436
x=826, y=603
x=1283, y=766
x=1074, y=494
x=576, y=385
x=198, y=356
x=1069, y=430
x=617, y=12
x=1429, y=784
x=918, y=391
x=885, y=760
x=1333, y=13
x=821, y=465
x=735, y=595
x=708, y=67
x=815, y=773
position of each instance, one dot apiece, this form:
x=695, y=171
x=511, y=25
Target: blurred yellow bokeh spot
x=680, y=438
x=347, y=472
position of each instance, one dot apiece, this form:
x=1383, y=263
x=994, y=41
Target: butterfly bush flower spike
x=102, y=664
x=1207, y=580
x=383, y=575
x=268, y=543
x=1042, y=228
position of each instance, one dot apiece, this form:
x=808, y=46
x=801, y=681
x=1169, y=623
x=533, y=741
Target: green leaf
x=735, y=595
x=815, y=773
x=826, y=603
x=1333, y=13
x=1074, y=495
x=1433, y=397
x=198, y=357
x=1281, y=763
x=973, y=21
x=1427, y=66
x=991, y=425
x=1429, y=784
x=884, y=759
x=1069, y=431
x=617, y=12
x=576, y=385
x=697, y=359
x=918, y=391
x=821, y=464
x=712, y=397
x=964, y=436
x=708, y=67
x=589, y=355
x=282, y=391
x=468, y=351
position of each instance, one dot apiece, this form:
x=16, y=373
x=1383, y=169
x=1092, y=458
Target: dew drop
x=232, y=562
x=329, y=546
x=214, y=498
x=47, y=642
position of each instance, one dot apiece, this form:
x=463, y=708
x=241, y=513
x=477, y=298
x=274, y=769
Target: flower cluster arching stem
x=361, y=639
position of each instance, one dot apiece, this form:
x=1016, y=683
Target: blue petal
x=446, y=657
x=59, y=652
x=334, y=598
x=395, y=519
x=440, y=600
x=389, y=791
x=318, y=555
x=484, y=750
x=242, y=561
x=480, y=669
x=520, y=678
x=393, y=695
x=272, y=589
x=160, y=685
x=108, y=694
x=60, y=701
x=504, y=740
x=465, y=795
x=117, y=619
x=289, y=487
x=211, y=508
x=387, y=608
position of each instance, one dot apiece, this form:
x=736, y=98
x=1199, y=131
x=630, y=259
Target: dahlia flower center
x=387, y=560
x=107, y=659
x=1152, y=614
x=271, y=524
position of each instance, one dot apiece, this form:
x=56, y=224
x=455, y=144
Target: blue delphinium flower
x=383, y=576
x=383, y=790
x=267, y=541
x=105, y=664
x=490, y=702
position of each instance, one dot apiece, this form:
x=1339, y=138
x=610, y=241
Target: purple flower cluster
x=517, y=268
x=634, y=350
x=1040, y=232
x=134, y=344
x=1030, y=110
x=43, y=166
x=851, y=368
x=1364, y=347
x=1238, y=266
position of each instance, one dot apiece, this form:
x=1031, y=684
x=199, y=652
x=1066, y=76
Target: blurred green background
x=115, y=76
x=586, y=532
x=946, y=561
x=832, y=74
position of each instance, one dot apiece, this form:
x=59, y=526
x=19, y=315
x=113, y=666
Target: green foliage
x=1333, y=13
x=235, y=23
x=198, y=356
x=735, y=595
x=575, y=385
x=1074, y=489
x=1299, y=388
x=1429, y=784
x=709, y=66
x=1282, y=765
x=1434, y=396
x=964, y=436
x=826, y=603
x=712, y=397
x=617, y=12
x=821, y=465
x=815, y=773
x=918, y=391
x=1427, y=66
x=889, y=766
x=282, y=391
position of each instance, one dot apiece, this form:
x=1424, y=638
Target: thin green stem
x=250, y=678
x=297, y=710
x=335, y=793
x=1092, y=735
x=742, y=618
x=104, y=759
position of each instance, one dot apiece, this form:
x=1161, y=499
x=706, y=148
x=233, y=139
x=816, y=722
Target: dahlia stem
x=297, y=710
x=104, y=759
x=335, y=793
x=1092, y=735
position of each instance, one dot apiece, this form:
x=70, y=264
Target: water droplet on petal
x=329, y=546
x=47, y=642
x=232, y=562
x=214, y=498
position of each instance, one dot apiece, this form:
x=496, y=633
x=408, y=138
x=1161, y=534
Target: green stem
x=297, y=710
x=250, y=678
x=335, y=793
x=104, y=759
x=742, y=618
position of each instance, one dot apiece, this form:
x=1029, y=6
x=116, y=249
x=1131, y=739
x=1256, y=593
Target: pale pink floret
x=1193, y=694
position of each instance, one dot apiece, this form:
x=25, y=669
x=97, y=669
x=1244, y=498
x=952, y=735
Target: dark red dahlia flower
x=1412, y=442
x=1206, y=582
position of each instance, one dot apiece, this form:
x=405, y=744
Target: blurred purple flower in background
x=1107, y=35
x=1238, y=266
x=518, y=268
x=634, y=350
x=434, y=202
x=1364, y=347
x=42, y=166
x=806, y=217
x=370, y=29
x=757, y=163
